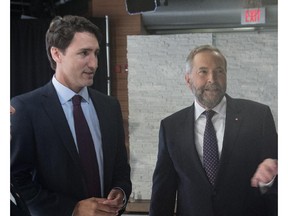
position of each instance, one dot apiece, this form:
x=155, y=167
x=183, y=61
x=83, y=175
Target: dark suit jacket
x=250, y=137
x=44, y=159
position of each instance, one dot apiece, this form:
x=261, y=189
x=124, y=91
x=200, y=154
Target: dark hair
x=199, y=49
x=62, y=30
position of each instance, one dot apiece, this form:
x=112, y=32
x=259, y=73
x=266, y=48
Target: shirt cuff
x=265, y=186
x=124, y=198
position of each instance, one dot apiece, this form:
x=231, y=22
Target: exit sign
x=252, y=16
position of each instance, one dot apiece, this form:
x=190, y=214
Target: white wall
x=156, y=86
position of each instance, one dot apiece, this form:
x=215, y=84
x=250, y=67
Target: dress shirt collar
x=220, y=108
x=65, y=94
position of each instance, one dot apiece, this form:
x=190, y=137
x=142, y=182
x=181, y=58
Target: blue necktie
x=86, y=149
x=210, y=148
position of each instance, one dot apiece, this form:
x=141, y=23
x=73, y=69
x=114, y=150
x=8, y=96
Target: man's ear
x=56, y=54
x=188, y=79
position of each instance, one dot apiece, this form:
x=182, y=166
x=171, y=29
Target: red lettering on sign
x=252, y=15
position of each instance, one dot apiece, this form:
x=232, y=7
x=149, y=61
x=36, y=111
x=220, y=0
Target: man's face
x=76, y=66
x=207, y=79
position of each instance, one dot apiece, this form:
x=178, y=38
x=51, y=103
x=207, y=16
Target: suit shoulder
x=249, y=103
x=102, y=97
x=181, y=114
x=94, y=92
x=28, y=96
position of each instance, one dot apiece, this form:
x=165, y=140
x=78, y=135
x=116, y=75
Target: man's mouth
x=212, y=89
x=89, y=73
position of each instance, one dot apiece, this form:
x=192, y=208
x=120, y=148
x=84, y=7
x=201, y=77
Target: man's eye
x=220, y=71
x=85, y=53
x=202, y=71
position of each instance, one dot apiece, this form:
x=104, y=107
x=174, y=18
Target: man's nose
x=212, y=77
x=93, y=62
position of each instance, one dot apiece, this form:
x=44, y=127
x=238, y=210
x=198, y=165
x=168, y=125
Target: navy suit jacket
x=44, y=158
x=250, y=136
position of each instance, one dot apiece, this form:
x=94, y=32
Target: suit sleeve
x=164, y=180
x=24, y=164
x=270, y=137
x=270, y=150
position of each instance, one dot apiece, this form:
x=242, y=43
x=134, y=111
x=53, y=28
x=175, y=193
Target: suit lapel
x=52, y=106
x=193, y=158
x=100, y=109
x=232, y=126
x=103, y=115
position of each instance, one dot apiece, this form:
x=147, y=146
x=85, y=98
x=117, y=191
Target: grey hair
x=198, y=49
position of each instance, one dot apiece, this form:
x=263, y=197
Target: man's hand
x=265, y=172
x=94, y=207
x=115, y=199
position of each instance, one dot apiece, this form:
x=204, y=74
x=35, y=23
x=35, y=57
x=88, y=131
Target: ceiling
x=168, y=16
x=193, y=15
x=47, y=8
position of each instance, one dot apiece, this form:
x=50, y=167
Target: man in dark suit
x=45, y=151
x=245, y=178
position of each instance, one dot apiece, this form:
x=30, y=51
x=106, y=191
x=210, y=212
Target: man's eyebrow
x=89, y=49
x=85, y=49
x=220, y=67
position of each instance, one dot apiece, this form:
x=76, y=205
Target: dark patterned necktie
x=86, y=149
x=210, y=148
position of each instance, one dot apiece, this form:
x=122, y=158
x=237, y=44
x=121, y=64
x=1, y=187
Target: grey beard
x=199, y=94
x=209, y=103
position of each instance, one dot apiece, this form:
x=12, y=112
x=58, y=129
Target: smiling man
x=218, y=156
x=68, y=152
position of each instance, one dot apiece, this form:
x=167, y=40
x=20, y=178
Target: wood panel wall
x=121, y=24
